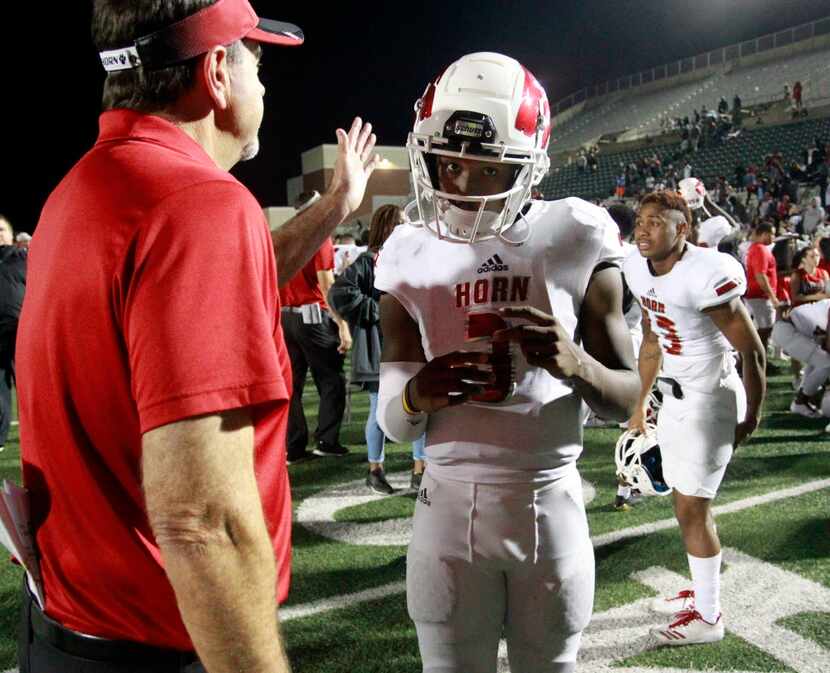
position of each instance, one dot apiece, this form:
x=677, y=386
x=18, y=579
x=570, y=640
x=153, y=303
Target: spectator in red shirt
x=808, y=282
x=797, y=96
x=317, y=339
x=762, y=281
x=783, y=209
x=824, y=249
x=153, y=377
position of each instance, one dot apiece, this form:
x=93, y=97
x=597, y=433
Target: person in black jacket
x=12, y=288
x=354, y=297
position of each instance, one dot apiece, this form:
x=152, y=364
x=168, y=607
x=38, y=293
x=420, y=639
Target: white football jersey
x=693, y=346
x=812, y=317
x=633, y=316
x=452, y=290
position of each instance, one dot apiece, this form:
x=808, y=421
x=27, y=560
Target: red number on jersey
x=674, y=345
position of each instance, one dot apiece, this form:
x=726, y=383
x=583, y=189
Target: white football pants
x=487, y=559
x=815, y=359
x=696, y=435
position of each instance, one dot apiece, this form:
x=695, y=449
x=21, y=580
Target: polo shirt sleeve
x=199, y=308
x=324, y=258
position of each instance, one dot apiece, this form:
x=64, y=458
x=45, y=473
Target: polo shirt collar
x=122, y=124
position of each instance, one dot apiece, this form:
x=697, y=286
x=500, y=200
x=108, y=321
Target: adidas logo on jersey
x=493, y=264
x=652, y=293
x=424, y=498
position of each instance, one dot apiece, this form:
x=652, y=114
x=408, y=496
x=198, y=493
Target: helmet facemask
x=639, y=463
x=438, y=209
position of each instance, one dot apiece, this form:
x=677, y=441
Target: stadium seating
x=757, y=84
x=750, y=147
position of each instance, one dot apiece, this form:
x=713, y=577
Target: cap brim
x=277, y=32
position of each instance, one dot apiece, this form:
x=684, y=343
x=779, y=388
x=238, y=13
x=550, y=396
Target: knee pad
x=546, y=637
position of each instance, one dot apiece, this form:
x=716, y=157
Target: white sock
x=623, y=491
x=706, y=583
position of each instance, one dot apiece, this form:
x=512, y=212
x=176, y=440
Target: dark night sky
x=368, y=58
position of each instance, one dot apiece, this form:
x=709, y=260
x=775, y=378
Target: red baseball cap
x=223, y=22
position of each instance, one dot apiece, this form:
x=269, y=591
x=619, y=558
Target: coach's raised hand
x=354, y=165
x=296, y=241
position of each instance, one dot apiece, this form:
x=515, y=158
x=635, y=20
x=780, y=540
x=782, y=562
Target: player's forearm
x=754, y=380
x=799, y=299
x=611, y=393
x=298, y=239
x=224, y=577
x=648, y=367
x=763, y=282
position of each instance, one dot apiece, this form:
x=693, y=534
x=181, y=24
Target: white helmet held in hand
x=693, y=192
x=639, y=463
x=484, y=107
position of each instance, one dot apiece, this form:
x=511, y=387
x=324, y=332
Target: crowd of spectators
x=776, y=205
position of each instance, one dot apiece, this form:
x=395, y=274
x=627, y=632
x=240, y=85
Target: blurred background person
x=354, y=297
x=12, y=289
x=317, y=339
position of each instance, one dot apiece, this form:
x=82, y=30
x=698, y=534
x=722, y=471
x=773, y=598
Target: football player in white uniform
x=709, y=229
x=500, y=542
x=624, y=216
x=692, y=318
x=803, y=335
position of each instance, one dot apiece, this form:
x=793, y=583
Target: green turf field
x=347, y=611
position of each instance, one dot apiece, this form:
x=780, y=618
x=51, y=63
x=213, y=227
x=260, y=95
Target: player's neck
x=660, y=267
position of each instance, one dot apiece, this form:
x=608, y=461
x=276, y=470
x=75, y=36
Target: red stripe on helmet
x=534, y=101
x=425, y=109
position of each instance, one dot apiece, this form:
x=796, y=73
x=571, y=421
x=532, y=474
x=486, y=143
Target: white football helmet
x=486, y=107
x=693, y=192
x=639, y=463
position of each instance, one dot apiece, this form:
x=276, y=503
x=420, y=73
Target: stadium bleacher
x=750, y=147
x=642, y=111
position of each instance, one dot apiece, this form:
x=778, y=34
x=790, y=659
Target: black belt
x=673, y=386
x=102, y=649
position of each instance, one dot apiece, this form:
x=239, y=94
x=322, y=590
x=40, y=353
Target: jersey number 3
x=667, y=327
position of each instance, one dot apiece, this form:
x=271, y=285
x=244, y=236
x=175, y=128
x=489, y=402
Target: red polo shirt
x=152, y=298
x=760, y=259
x=304, y=288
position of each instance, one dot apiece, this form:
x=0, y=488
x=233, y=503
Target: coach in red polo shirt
x=153, y=376
x=762, y=281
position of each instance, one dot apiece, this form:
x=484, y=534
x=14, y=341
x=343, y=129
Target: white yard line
x=376, y=593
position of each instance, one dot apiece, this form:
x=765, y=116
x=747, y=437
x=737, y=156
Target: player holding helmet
x=500, y=541
x=710, y=223
x=692, y=318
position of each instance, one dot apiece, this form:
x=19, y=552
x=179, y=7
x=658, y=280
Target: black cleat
x=300, y=458
x=376, y=480
x=415, y=480
x=326, y=449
